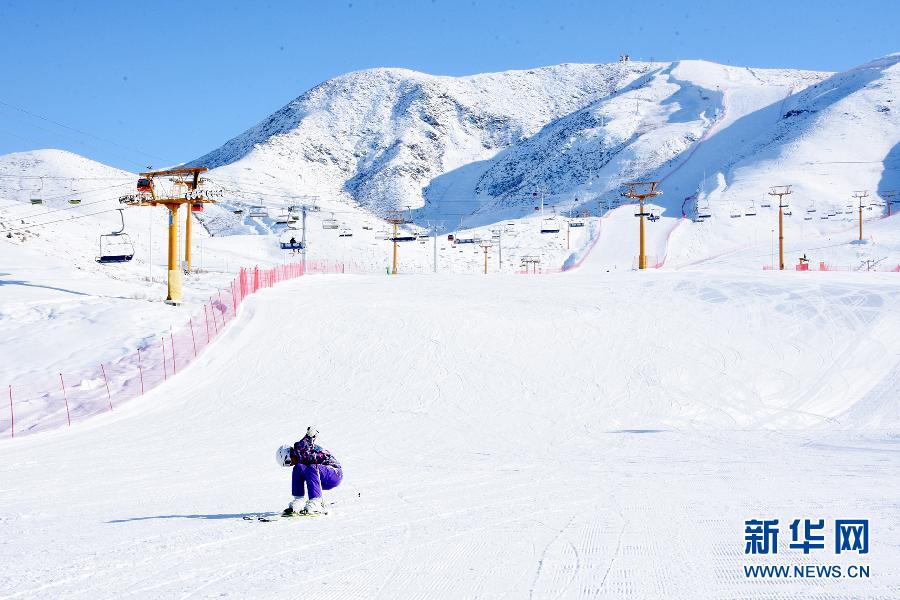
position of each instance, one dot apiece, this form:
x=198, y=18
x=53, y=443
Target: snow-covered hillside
x=378, y=137
x=474, y=151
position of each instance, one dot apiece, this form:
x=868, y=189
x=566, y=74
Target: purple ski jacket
x=308, y=452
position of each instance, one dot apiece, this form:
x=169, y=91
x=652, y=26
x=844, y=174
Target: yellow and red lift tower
x=188, y=180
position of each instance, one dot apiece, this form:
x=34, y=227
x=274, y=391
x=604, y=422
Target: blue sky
x=137, y=83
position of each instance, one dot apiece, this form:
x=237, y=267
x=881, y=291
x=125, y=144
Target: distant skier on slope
x=314, y=466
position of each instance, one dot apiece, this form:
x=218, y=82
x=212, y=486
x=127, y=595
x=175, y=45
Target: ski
x=268, y=518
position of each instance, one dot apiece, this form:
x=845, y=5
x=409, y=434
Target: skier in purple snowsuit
x=313, y=466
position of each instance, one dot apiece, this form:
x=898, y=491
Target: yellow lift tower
x=186, y=190
x=485, y=247
x=641, y=190
x=396, y=218
x=781, y=191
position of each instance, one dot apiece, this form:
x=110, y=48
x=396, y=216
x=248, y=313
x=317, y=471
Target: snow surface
x=561, y=436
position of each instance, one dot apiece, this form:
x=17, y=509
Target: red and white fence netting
x=62, y=399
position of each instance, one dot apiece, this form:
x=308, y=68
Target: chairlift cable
x=96, y=137
x=47, y=212
x=56, y=221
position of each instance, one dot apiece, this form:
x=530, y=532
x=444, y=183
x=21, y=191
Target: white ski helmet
x=312, y=432
x=283, y=456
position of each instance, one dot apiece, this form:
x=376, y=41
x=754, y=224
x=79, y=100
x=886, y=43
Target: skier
x=314, y=466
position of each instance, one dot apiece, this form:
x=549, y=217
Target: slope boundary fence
x=69, y=397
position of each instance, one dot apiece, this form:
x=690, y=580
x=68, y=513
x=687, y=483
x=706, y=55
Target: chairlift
x=654, y=215
x=144, y=184
x=367, y=226
x=550, y=225
x=576, y=223
x=74, y=201
x=238, y=211
x=331, y=223
x=288, y=240
x=283, y=217
x=766, y=202
x=116, y=247
x=345, y=231
x=812, y=207
x=258, y=211
x=751, y=210
x=736, y=213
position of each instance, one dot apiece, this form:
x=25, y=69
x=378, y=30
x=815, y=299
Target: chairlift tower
x=485, y=246
x=396, y=218
x=534, y=261
x=859, y=195
x=640, y=191
x=435, y=226
x=781, y=191
x=889, y=196
x=189, y=179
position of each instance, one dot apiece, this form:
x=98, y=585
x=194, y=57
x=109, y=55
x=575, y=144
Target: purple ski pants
x=317, y=477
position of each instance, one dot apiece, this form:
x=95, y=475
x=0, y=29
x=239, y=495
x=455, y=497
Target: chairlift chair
x=116, y=247
x=345, y=231
x=258, y=211
x=36, y=196
x=576, y=223
x=751, y=210
x=331, y=223
x=766, y=201
x=550, y=225
x=283, y=217
x=288, y=240
x=74, y=201
x=736, y=213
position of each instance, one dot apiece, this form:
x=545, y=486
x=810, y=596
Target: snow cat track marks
x=554, y=579
x=827, y=375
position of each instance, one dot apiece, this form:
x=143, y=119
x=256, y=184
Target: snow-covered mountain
x=473, y=150
x=378, y=137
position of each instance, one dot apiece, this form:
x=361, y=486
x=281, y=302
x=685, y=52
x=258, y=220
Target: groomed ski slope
x=583, y=435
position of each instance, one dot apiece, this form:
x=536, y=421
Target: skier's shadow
x=210, y=517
